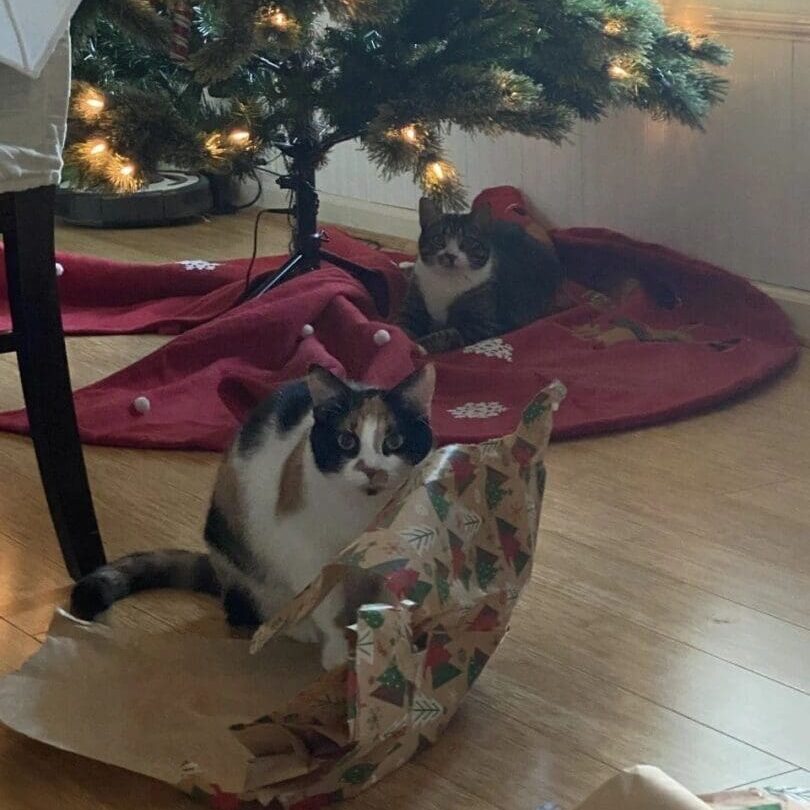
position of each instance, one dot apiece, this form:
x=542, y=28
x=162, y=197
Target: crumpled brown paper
x=647, y=788
x=158, y=704
x=455, y=547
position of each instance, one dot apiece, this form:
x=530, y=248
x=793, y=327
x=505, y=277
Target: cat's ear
x=417, y=389
x=481, y=216
x=429, y=213
x=324, y=386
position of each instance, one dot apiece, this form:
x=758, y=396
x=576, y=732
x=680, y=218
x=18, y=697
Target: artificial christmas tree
x=136, y=108
x=219, y=84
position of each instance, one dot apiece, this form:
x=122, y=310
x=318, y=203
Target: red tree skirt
x=625, y=365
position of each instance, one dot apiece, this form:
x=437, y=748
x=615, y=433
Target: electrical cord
x=259, y=192
x=269, y=171
x=249, y=272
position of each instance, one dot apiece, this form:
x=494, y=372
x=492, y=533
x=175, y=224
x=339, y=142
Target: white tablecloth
x=29, y=31
x=33, y=114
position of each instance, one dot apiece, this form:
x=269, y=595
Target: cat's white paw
x=304, y=632
x=334, y=652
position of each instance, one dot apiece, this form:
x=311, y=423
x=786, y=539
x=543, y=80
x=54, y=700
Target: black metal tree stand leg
x=308, y=240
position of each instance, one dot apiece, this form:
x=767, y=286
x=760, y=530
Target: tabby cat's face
x=370, y=437
x=454, y=243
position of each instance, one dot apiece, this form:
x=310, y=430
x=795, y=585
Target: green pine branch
x=396, y=74
x=138, y=18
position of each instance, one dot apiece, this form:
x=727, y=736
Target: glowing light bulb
x=213, y=143
x=98, y=148
x=89, y=103
x=618, y=72
x=613, y=27
x=410, y=134
x=239, y=137
x=437, y=170
x=127, y=170
x=278, y=19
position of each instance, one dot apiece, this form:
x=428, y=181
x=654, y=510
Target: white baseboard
x=387, y=220
x=350, y=212
x=795, y=303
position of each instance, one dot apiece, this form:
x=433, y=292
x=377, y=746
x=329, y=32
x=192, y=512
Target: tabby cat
x=475, y=278
x=306, y=475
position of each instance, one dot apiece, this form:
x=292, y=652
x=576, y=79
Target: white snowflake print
x=478, y=410
x=198, y=264
x=494, y=347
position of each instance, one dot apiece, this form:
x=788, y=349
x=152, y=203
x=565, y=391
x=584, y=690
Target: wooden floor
x=668, y=620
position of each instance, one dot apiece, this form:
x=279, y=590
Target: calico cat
x=306, y=475
x=475, y=278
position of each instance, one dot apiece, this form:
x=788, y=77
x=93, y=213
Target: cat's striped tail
x=145, y=571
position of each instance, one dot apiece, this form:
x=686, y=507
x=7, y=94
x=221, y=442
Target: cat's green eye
x=347, y=440
x=392, y=443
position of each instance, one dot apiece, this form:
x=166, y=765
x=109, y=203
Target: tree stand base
x=308, y=239
x=303, y=262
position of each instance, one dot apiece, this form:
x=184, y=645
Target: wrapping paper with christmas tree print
x=644, y=787
x=767, y=798
x=454, y=549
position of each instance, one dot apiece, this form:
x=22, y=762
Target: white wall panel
x=737, y=195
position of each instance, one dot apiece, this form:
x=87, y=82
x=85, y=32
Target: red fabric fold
x=625, y=365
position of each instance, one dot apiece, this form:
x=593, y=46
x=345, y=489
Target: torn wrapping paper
x=642, y=788
x=454, y=549
x=154, y=703
x=647, y=788
x=769, y=798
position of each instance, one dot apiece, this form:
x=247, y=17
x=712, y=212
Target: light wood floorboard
x=667, y=621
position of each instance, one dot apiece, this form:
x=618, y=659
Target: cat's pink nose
x=370, y=472
x=375, y=475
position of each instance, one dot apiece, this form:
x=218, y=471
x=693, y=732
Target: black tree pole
x=308, y=239
x=306, y=205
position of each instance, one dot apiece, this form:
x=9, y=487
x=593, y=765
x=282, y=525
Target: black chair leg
x=37, y=324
